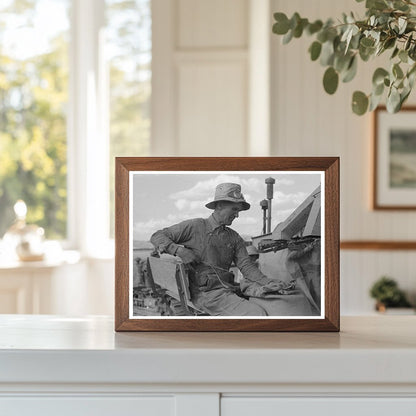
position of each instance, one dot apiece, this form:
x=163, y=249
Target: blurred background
x=83, y=81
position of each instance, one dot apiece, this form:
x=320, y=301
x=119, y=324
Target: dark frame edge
x=331, y=321
x=332, y=243
x=121, y=304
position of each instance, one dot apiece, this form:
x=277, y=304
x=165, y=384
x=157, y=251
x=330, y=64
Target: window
x=33, y=98
x=75, y=86
x=129, y=46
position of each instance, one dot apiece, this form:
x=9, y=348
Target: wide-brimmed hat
x=230, y=192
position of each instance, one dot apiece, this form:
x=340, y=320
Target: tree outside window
x=34, y=93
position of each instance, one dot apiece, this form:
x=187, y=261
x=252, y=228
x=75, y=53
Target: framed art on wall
x=227, y=244
x=394, y=178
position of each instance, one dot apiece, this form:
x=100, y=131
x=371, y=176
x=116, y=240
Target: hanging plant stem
x=388, y=26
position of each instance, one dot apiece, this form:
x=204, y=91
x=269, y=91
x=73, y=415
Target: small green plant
x=387, y=293
x=389, y=26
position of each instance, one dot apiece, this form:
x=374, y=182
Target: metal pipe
x=269, y=182
x=264, y=205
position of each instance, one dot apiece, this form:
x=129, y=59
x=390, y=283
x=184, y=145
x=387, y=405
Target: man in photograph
x=209, y=247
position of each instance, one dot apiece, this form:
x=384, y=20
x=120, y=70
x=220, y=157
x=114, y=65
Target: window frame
x=87, y=133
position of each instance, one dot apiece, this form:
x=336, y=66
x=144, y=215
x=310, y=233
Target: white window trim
x=88, y=142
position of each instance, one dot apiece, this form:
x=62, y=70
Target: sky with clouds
x=160, y=200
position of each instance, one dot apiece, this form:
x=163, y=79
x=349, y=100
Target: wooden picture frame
x=141, y=198
x=394, y=159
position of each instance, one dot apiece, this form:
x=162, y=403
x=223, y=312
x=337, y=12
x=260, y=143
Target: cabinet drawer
x=87, y=406
x=273, y=406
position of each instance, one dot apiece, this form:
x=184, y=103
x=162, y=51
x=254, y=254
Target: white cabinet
x=79, y=366
x=40, y=287
x=88, y=406
x=63, y=286
x=269, y=406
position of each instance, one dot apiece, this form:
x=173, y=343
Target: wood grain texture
x=332, y=224
x=330, y=165
x=121, y=244
x=378, y=245
x=376, y=205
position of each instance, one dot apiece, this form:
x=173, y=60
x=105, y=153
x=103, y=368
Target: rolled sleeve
x=169, y=239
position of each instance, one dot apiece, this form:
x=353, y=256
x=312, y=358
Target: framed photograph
x=227, y=244
x=394, y=180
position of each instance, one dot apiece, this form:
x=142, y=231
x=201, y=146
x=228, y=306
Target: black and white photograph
x=226, y=244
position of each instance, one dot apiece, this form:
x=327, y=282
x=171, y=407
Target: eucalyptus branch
x=389, y=25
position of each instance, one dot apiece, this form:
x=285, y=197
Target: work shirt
x=215, y=245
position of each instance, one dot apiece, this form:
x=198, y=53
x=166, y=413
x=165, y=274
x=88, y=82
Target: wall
x=200, y=77
x=308, y=122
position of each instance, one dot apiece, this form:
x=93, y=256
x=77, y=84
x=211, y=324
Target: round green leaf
x=411, y=76
x=403, y=55
x=403, y=97
x=374, y=102
x=322, y=36
x=393, y=101
x=376, y=4
x=351, y=71
x=315, y=50
x=294, y=20
x=288, y=37
x=327, y=54
x=281, y=26
x=300, y=25
x=330, y=80
x=389, y=43
x=395, y=52
x=359, y=103
x=408, y=42
x=342, y=61
x=378, y=90
x=365, y=53
x=379, y=75
x=412, y=70
x=397, y=71
x=400, y=5
x=412, y=52
x=314, y=27
x=367, y=42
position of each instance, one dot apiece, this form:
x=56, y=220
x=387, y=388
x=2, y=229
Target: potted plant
x=387, y=294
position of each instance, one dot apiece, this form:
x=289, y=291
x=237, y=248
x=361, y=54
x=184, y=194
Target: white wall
x=200, y=77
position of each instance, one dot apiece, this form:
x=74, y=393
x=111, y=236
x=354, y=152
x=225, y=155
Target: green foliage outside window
x=129, y=38
x=34, y=103
x=33, y=97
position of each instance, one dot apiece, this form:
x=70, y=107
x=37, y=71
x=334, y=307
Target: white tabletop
x=373, y=349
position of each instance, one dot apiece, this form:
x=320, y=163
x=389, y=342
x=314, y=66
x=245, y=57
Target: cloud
x=289, y=199
x=205, y=189
x=191, y=199
x=142, y=230
x=285, y=182
x=187, y=205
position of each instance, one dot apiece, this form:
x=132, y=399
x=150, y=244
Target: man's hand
x=187, y=255
x=279, y=286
